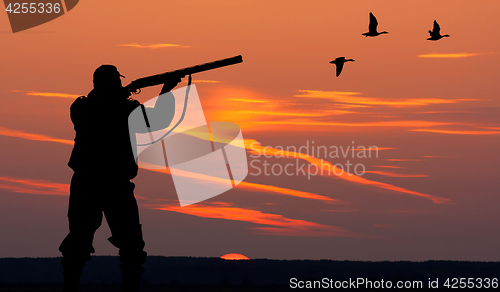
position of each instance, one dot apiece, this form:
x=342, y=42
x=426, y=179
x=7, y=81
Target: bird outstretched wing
x=372, y=27
x=436, y=28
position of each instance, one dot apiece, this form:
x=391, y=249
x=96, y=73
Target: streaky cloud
x=285, y=191
x=408, y=124
x=449, y=56
x=392, y=174
x=267, y=150
x=256, y=187
x=33, y=137
x=334, y=172
x=33, y=186
x=456, y=132
x=351, y=98
x=341, y=105
x=48, y=94
x=297, y=114
x=243, y=185
x=152, y=46
x=203, y=81
x=325, y=94
x=448, y=112
x=249, y=100
x=282, y=226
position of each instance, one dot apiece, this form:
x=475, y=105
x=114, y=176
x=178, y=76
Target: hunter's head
x=107, y=77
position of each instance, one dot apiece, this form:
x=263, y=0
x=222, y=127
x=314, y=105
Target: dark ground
x=215, y=274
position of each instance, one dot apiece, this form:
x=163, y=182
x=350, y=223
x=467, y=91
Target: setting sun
x=234, y=256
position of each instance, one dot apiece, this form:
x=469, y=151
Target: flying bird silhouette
x=435, y=33
x=372, y=27
x=339, y=62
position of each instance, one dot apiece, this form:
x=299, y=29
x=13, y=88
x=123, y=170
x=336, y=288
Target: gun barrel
x=160, y=78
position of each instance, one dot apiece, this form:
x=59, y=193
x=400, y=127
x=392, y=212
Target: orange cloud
x=325, y=168
x=221, y=210
x=373, y=124
x=389, y=166
x=34, y=137
x=249, y=100
x=297, y=114
x=244, y=185
x=31, y=186
x=254, y=186
x=447, y=112
x=403, y=159
x=386, y=116
x=326, y=94
x=281, y=225
x=360, y=180
x=392, y=174
x=284, y=191
x=265, y=150
x=452, y=56
x=263, y=113
x=352, y=105
x=49, y=94
x=152, y=46
x=457, y=132
x=226, y=104
x=351, y=98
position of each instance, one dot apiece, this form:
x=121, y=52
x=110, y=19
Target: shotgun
x=158, y=79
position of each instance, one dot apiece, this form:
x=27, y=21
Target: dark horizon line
x=273, y=259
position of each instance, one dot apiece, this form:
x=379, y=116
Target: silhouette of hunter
x=103, y=163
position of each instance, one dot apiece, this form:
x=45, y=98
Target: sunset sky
x=431, y=108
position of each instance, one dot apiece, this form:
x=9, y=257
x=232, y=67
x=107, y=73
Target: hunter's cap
x=105, y=72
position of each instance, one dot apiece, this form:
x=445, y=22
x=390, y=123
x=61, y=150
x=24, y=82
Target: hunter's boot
x=131, y=270
x=72, y=270
x=131, y=281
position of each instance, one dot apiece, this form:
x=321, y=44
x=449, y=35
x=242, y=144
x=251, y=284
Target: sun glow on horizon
x=450, y=56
